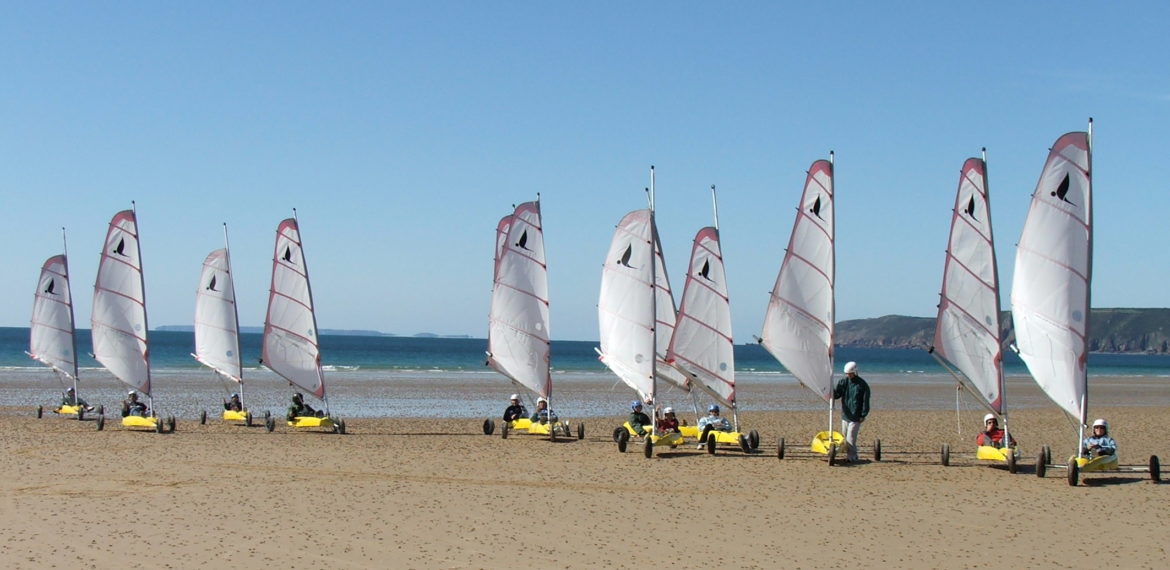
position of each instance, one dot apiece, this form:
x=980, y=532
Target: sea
x=394, y=376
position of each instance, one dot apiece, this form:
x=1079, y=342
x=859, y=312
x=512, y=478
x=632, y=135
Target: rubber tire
x=617, y=433
x=267, y=414
x=745, y=444
x=80, y=413
x=581, y=430
x=101, y=423
x=710, y=444
x=1041, y=465
x=1155, y=469
x=1073, y=472
x=158, y=425
x=270, y=424
x=203, y=418
x=1047, y=455
x=101, y=409
x=648, y=449
x=1011, y=461
x=754, y=439
x=552, y=432
x=877, y=450
x=340, y=427
x=172, y=423
x=248, y=419
x=832, y=454
x=489, y=426
x=622, y=440
x=504, y=430
x=944, y=456
x=40, y=412
x=780, y=449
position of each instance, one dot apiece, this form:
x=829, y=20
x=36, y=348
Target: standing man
x=854, y=395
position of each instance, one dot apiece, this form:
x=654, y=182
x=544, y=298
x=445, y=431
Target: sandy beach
x=425, y=493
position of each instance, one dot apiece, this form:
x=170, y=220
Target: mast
x=833, y=286
x=235, y=309
x=654, y=245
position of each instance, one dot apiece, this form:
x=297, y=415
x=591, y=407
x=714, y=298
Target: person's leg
x=851, y=429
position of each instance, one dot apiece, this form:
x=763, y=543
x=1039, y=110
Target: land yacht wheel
x=944, y=456
x=1041, y=465
x=270, y=424
x=648, y=449
x=622, y=440
x=780, y=449
x=1073, y=472
x=710, y=444
x=1011, y=461
x=754, y=439
x=489, y=426
x=617, y=433
x=101, y=423
x=101, y=410
x=248, y=419
x=203, y=418
x=40, y=411
x=80, y=413
x=877, y=450
x=1155, y=469
x=158, y=425
x=1047, y=455
x=581, y=430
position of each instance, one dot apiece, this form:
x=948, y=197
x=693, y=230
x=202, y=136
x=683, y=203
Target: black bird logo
x=705, y=270
x=971, y=209
x=1062, y=190
x=523, y=241
x=816, y=207
x=52, y=285
x=287, y=254
x=625, y=260
x=121, y=247
x=211, y=285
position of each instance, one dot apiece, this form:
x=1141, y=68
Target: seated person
x=668, y=423
x=1099, y=443
x=542, y=413
x=516, y=410
x=300, y=408
x=638, y=420
x=234, y=404
x=712, y=422
x=70, y=399
x=992, y=436
x=132, y=407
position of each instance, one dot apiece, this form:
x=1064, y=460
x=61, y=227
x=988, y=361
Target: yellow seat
x=820, y=443
x=234, y=416
x=989, y=453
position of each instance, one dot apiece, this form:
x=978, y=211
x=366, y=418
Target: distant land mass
x=1110, y=330
x=333, y=332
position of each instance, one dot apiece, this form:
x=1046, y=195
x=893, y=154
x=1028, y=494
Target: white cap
x=850, y=367
x=990, y=417
x=514, y=397
x=668, y=410
x=1101, y=422
x=539, y=400
x=131, y=393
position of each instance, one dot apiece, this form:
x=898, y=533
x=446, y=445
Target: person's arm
x=865, y=402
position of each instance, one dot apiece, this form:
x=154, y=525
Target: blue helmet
x=713, y=408
x=635, y=405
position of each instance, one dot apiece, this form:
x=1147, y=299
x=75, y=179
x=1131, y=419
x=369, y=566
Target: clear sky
x=402, y=132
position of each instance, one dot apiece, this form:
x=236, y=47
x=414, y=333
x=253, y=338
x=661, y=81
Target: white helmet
x=514, y=397
x=1101, y=422
x=850, y=367
x=990, y=417
x=539, y=400
x=668, y=410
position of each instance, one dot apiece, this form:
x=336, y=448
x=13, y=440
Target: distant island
x=1110, y=330
x=331, y=332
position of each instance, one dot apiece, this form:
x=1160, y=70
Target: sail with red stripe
x=120, y=341
x=290, y=346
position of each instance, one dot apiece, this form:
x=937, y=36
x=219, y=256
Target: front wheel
x=581, y=430
x=489, y=426
x=780, y=449
x=203, y=418
x=1155, y=469
x=1041, y=465
x=617, y=433
x=877, y=450
x=623, y=439
x=1073, y=472
x=944, y=455
x=648, y=449
x=270, y=424
x=710, y=444
x=341, y=427
x=1011, y=461
x=101, y=423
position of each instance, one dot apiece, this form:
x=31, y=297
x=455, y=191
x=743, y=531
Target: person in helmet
x=1099, y=443
x=300, y=408
x=543, y=414
x=515, y=409
x=668, y=423
x=712, y=422
x=638, y=420
x=992, y=435
x=853, y=392
x=233, y=404
x=70, y=399
x=131, y=406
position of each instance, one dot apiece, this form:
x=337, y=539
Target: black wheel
x=203, y=418
x=617, y=433
x=877, y=450
x=489, y=426
x=248, y=419
x=1041, y=465
x=158, y=425
x=270, y=424
x=1073, y=472
x=552, y=432
x=710, y=444
x=101, y=423
x=1047, y=455
x=504, y=429
x=341, y=427
x=832, y=454
x=40, y=411
x=267, y=414
x=80, y=413
x=754, y=439
x=622, y=440
x=780, y=449
x=1155, y=469
x=1011, y=461
x=744, y=445
x=648, y=449
x=944, y=456
x=101, y=410
x=581, y=430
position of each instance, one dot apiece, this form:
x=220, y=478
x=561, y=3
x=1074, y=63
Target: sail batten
x=119, y=322
x=290, y=345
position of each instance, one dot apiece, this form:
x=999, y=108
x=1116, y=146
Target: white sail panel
x=623, y=309
x=290, y=346
x=119, y=306
x=702, y=343
x=518, y=336
x=1050, y=286
x=667, y=318
x=217, y=328
x=799, y=323
x=967, y=330
x=51, y=333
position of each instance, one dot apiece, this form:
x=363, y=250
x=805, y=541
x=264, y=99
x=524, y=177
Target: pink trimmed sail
x=290, y=346
x=702, y=344
x=217, y=328
x=967, y=330
x=1050, y=287
x=52, y=340
x=799, y=322
x=518, y=335
x=119, y=306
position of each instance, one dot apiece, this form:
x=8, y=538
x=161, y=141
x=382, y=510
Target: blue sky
x=403, y=131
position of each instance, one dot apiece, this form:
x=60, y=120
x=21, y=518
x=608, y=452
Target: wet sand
x=424, y=493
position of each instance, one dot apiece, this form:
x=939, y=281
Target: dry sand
x=416, y=493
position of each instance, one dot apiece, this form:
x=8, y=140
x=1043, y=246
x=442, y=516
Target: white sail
x=628, y=285
x=967, y=330
x=217, y=328
x=290, y=346
x=1050, y=287
x=52, y=340
x=518, y=336
x=119, y=306
x=799, y=323
x=702, y=344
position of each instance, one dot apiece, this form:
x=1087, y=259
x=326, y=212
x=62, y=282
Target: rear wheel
x=101, y=423
x=648, y=449
x=710, y=444
x=744, y=444
x=832, y=454
x=1041, y=465
x=877, y=450
x=754, y=439
x=1011, y=461
x=489, y=426
x=944, y=456
x=581, y=430
x=158, y=425
x=622, y=439
x=1073, y=472
x=248, y=419
x=780, y=449
x=617, y=433
x=1155, y=469
x=270, y=424
x=1047, y=455
x=101, y=410
x=203, y=418
x=171, y=424
x=341, y=427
